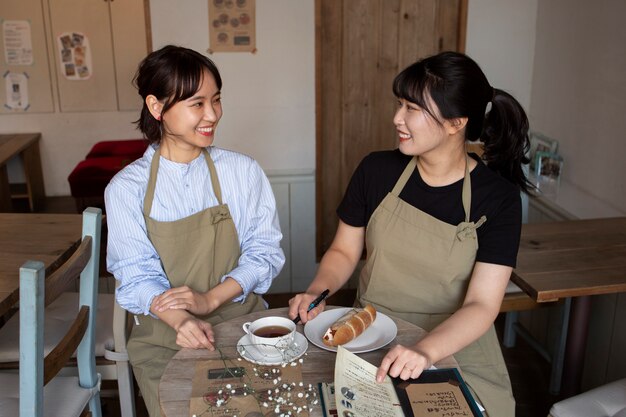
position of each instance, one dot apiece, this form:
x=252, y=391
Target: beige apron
x=195, y=251
x=418, y=268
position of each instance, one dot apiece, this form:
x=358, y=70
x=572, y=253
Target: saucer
x=250, y=353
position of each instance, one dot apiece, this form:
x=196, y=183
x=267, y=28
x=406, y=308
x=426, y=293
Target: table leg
x=34, y=176
x=6, y=204
x=576, y=344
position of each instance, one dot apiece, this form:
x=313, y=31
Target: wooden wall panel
x=382, y=133
x=448, y=27
x=39, y=78
x=361, y=46
x=328, y=162
x=418, y=36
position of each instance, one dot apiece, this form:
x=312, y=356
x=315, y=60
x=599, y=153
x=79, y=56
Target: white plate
x=379, y=334
x=250, y=353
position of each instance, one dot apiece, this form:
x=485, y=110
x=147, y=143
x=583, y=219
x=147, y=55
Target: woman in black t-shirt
x=441, y=227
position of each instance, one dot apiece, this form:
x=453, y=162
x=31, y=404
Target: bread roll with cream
x=349, y=326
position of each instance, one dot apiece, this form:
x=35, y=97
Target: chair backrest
x=35, y=291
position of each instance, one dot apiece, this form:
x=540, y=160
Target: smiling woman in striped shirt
x=193, y=231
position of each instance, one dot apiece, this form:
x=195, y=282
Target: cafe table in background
x=317, y=364
x=49, y=238
x=572, y=260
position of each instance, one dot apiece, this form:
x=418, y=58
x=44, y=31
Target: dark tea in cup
x=270, y=335
x=272, y=331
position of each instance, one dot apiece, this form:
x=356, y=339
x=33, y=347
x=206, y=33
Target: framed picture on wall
x=540, y=143
x=548, y=170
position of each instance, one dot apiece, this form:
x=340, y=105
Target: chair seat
x=606, y=401
x=91, y=176
x=512, y=288
x=62, y=396
x=58, y=319
x=132, y=148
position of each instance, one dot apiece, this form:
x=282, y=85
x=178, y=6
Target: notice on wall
x=16, y=87
x=74, y=56
x=232, y=26
x=18, y=45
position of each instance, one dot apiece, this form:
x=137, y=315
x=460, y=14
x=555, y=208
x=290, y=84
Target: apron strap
x=214, y=180
x=406, y=174
x=467, y=184
x=467, y=190
x=154, y=169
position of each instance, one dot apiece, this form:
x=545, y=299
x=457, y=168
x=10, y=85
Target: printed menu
x=436, y=393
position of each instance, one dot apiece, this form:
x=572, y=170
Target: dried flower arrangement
x=233, y=387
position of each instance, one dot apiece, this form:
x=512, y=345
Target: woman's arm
x=335, y=269
x=478, y=312
x=258, y=229
x=131, y=257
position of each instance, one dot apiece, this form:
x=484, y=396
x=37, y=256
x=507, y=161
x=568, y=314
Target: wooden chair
x=37, y=390
x=110, y=348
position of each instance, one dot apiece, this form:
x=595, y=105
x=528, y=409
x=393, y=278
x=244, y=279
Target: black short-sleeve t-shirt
x=492, y=196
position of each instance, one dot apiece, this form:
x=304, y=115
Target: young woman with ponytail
x=441, y=226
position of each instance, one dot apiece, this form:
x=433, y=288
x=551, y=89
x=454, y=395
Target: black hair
x=459, y=88
x=171, y=74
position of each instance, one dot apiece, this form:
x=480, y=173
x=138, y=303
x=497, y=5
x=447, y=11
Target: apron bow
x=467, y=229
x=220, y=214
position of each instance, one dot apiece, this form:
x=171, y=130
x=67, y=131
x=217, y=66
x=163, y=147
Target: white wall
x=579, y=94
x=501, y=38
x=269, y=97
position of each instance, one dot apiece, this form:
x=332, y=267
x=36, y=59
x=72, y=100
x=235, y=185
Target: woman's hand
x=403, y=362
x=195, y=334
x=185, y=298
x=299, y=305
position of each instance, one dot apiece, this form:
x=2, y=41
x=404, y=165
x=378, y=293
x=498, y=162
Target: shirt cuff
x=146, y=294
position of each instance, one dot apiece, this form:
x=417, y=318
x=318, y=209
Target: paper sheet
x=356, y=391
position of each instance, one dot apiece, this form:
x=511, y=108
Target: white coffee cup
x=271, y=335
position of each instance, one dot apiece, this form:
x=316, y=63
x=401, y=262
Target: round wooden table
x=318, y=365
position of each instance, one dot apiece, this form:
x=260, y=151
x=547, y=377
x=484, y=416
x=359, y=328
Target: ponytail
x=505, y=138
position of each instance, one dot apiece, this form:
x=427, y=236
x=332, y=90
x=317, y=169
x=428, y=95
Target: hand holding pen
x=314, y=304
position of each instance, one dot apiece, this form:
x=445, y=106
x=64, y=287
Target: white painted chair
x=37, y=390
x=606, y=401
x=111, y=338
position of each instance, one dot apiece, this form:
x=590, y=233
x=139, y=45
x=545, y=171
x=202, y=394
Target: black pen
x=314, y=304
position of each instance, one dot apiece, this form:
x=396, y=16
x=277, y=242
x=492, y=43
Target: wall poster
x=18, y=45
x=232, y=26
x=16, y=87
x=74, y=56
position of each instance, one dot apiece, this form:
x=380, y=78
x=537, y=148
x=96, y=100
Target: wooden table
x=318, y=365
x=49, y=238
x=573, y=260
x=26, y=147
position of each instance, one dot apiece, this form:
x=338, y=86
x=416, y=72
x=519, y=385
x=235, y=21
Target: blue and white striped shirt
x=182, y=190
